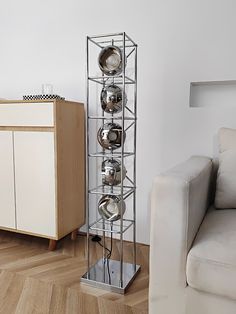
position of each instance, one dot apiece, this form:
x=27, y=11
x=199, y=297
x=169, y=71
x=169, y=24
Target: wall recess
x=213, y=94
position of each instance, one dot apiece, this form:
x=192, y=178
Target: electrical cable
x=109, y=251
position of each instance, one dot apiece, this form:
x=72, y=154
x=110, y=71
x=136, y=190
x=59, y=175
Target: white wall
x=179, y=42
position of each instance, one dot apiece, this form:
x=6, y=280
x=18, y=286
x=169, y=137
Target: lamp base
x=105, y=274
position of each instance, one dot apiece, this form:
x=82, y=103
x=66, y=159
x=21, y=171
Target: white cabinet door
x=35, y=182
x=7, y=193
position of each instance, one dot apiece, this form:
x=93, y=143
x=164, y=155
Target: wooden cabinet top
x=7, y=101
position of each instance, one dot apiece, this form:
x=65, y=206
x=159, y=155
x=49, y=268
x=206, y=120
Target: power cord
x=98, y=239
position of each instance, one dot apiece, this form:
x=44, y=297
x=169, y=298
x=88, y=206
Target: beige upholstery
x=198, y=302
x=179, y=202
x=179, y=253
x=226, y=179
x=211, y=262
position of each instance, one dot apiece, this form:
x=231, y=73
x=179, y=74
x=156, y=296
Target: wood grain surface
x=34, y=280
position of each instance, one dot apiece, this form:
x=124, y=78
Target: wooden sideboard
x=42, y=168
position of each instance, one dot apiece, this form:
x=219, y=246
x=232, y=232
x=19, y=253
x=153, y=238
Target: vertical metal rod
x=135, y=138
x=130, y=40
x=87, y=159
x=103, y=233
x=122, y=163
x=103, y=240
x=104, y=250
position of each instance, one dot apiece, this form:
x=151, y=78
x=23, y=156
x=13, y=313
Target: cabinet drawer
x=26, y=114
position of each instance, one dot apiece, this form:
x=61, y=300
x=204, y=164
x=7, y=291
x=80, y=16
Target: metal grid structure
x=109, y=274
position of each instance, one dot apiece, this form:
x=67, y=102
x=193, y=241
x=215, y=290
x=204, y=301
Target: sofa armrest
x=179, y=200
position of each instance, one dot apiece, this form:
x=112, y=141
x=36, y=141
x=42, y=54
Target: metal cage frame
x=123, y=273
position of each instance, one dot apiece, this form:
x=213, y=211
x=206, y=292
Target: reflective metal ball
x=109, y=136
x=110, y=207
x=110, y=60
x=111, y=99
x=111, y=172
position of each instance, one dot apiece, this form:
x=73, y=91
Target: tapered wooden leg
x=52, y=245
x=74, y=234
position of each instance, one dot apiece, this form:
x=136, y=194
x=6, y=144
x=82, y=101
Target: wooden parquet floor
x=34, y=280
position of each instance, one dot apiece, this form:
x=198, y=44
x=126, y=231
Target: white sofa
x=193, y=245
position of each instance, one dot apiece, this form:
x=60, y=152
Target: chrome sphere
x=110, y=207
x=110, y=60
x=111, y=172
x=109, y=136
x=111, y=99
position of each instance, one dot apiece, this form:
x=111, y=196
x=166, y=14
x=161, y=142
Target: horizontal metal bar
x=106, y=35
x=99, y=221
x=113, y=231
x=96, y=190
x=111, y=118
x=114, y=186
x=121, y=83
x=125, y=195
x=115, y=224
x=114, y=40
x=96, y=81
x=116, y=80
x=110, y=77
x=111, y=155
x=94, y=42
x=119, y=46
x=126, y=46
x=116, y=43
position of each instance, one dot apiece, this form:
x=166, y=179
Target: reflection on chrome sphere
x=111, y=172
x=110, y=60
x=109, y=136
x=111, y=99
x=110, y=207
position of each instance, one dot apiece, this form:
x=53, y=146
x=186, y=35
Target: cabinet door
x=7, y=193
x=35, y=182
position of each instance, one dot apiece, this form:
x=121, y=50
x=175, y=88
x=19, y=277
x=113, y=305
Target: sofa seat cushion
x=211, y=262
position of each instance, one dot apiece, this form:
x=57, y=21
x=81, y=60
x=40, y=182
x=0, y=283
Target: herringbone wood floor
x=34, y=280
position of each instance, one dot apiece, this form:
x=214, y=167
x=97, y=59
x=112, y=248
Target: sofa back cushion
x=226, y=178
